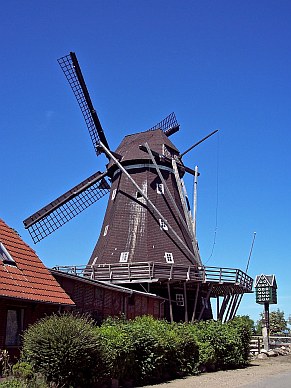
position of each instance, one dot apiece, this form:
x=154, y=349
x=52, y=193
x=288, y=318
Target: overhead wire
x=217, y=200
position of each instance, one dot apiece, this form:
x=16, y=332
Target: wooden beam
x=170, y=303
x=206, y=301
x=195, y=302
x=223, y=306
x=185, y=302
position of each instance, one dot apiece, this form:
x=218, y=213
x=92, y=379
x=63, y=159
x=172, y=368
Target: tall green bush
x=65, y=349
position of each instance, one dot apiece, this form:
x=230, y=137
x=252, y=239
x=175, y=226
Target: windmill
x=147, y=240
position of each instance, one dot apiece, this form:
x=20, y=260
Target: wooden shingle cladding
x=130, y=224
x=101, y=300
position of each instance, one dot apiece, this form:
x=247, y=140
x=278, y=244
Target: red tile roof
x=29, y=279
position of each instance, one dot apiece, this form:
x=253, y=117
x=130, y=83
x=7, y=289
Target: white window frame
x=113, y=194
x=169, y=257
x=160, y=188
x=5, y=255
x=105, y=230
x=180, y=300
x=123, y=257
x=163, y=225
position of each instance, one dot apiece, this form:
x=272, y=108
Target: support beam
x=238, y=303
x=226, y=318
x=195, y=302
x=217, y=308
x=186, y=213
x=170, y=303
x=168, y=191
x=223, y=306
x=206, y=301
x=231, y=315
x=185, y=302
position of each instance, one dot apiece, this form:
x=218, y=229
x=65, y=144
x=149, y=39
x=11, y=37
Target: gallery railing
x=152, y=271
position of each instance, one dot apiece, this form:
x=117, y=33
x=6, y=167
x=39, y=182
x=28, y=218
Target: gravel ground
x=254, y=374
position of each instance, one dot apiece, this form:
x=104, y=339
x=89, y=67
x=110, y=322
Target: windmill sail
x=67, y=206
x=169, y=125
x=73, y=73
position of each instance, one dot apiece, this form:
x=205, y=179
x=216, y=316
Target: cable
x=217, y=201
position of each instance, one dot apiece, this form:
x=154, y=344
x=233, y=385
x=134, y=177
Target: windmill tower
x=147, y=240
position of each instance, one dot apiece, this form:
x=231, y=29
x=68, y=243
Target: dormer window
x=169, y=257
x=160, y=188
x=123, y=257
x=163, y=225
x=5, y=256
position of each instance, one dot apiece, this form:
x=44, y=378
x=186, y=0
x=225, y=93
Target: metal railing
x=153, y=271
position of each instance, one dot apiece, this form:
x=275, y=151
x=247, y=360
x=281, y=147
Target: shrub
x=222, y=345
x=65, y=349
x=147, y=350
x=117, y=348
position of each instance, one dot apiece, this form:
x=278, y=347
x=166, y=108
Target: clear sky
x=217, y=64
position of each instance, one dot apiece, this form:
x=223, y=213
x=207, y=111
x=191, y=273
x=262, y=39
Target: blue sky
x=217, y=64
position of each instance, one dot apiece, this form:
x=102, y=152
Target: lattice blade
x=70, y=66
x=66, y=207
x=169, y=125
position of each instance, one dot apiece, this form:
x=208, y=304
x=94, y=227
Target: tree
x=278, y=323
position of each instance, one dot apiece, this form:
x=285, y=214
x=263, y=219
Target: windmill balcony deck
x=149, y=272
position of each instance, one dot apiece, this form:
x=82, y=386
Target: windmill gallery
x=147, y=243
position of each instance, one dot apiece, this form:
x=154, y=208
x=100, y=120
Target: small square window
x=160, y=188
x=123, y=257
x=163, y=225
x=105, y=230
x=169, y=257
x=180, y=299
x=113, y=194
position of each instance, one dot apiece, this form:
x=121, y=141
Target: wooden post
x=170, y=303
x=185, y=302
x=195, y=302
x=265, y=326
x=206, y=301
x=223, y=306
x=217, y=308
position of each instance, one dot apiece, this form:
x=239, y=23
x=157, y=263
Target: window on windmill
x=113, y=194
x=105, y=230
x=123, y=257
x=5, y=256
x=138, y=195
x=169, y=257
x=163, y=225
x=180, y=299
x=160, y=188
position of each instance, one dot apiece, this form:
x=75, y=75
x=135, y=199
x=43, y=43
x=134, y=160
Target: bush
x=65, y=349
x=147, y=350
x=222, y=345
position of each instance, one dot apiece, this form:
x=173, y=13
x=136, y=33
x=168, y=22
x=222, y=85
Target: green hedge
x=70, y=351
x=65, y=349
